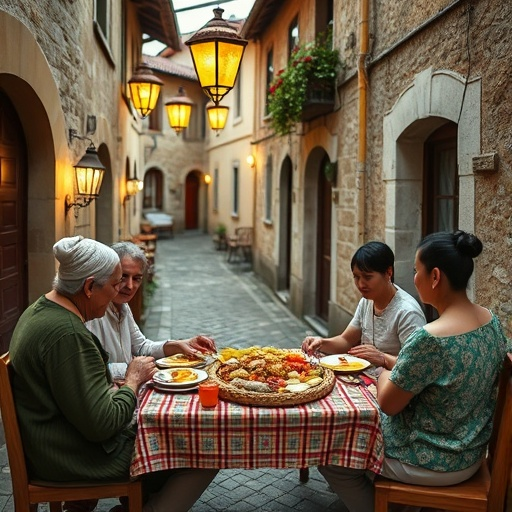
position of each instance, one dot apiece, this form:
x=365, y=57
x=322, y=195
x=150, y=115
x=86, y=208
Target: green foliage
x=221, y=230
x=312, y=62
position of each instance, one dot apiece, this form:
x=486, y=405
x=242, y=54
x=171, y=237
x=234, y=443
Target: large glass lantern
x=144, y=90
x=217, y=52
x=178, y=110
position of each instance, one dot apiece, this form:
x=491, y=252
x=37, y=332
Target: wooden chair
x=26, y=492
x=485, y=491
x=240, y=245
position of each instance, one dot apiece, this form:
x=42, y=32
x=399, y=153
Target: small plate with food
x=344, y=363
x=179, y=377
x=181, y=361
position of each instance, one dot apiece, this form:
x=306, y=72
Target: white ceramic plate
x=167, y=389
x=171, y=362
x=164, y=378
x=355, y=364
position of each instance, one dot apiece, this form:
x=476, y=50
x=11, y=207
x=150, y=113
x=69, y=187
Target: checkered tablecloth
x=174, y=431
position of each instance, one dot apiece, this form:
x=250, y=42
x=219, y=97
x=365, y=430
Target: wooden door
x=323, y=258
x=13, y=260
x=192, y=201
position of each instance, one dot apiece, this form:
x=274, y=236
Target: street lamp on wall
x=217, y=116
x=178, y=110
x=217, y=52
x=89, y=172
x=134, y=186
x=144, y=90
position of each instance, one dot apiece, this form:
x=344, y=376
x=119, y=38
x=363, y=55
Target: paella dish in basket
x=269, y=376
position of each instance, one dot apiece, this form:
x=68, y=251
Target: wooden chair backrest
x=11, y=429
x=244, y=236
x=500, y=445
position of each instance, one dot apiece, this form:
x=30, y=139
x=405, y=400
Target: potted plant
x=219, y=237
x=311, y=73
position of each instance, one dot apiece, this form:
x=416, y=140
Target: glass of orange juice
x=209, y=393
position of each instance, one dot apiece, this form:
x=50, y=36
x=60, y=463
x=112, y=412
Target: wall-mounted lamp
x=89, y=173
x=207, y=179
x=251, y=161
x=217, y=52
x=144, y=90
x=217, y=116
x=178, y=110
x=134, y=186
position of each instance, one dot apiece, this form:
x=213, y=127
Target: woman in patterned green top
x=438, y=401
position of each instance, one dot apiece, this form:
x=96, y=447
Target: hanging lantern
x=144, y=90
x=217, y=116
x=178, y=110
x=217, y=52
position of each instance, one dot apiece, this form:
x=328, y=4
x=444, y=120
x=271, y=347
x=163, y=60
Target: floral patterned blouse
x=447, y=424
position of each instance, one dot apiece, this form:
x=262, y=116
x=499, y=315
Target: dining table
x=342, y=428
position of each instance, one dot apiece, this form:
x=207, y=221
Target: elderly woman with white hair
x=74, y=424
x=119, y=333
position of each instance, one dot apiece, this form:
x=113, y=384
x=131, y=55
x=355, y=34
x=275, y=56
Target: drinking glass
x=209, y=394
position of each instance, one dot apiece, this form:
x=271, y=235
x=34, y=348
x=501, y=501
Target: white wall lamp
x=251, y=161
x=133, y=187
x=89, y=173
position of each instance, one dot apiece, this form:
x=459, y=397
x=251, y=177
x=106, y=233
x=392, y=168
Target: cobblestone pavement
x=199, y=292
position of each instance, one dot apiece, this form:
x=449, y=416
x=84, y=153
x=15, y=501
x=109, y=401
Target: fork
x=314, y=358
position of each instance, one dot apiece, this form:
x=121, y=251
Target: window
x=324, y=18
x=268, y=189
x=153, y=189
x=270, y=76
x=441, y=181
x=236, y=186
x=293, y=35
x=102, y=17
x=102, y=22
x=238, y=96
x=216, y=190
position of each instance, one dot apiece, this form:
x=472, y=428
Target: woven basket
x=242, y=396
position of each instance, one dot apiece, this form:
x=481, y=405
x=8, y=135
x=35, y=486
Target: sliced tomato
x=295, y=358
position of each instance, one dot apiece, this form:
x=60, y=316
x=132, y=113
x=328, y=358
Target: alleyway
x=199, y=292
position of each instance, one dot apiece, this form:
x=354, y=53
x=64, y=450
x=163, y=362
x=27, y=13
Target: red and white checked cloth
x=174, y=431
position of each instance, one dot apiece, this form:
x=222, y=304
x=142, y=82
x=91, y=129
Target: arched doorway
x=323, y=253
x=153, y=190
x=192, y=187
x=13, y=220
x=285, y=228
x=434, y=99
x=317, y=238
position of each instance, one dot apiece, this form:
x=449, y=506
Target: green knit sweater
x=74, y=425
